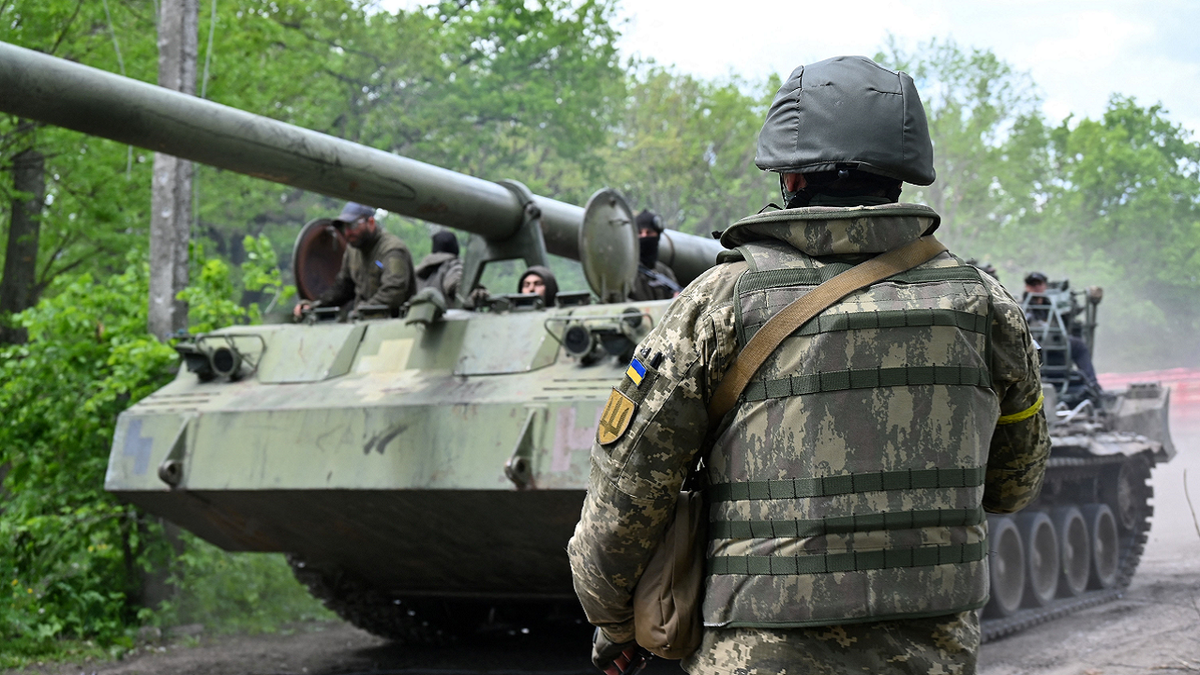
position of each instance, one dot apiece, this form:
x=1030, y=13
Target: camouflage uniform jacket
x=379, y=273
x=635, y=478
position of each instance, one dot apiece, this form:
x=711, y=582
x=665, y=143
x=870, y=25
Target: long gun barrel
x=96, y=102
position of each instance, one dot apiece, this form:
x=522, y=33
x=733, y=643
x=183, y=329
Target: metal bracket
x=526, y=243
x=171, y=469
x=519, y=467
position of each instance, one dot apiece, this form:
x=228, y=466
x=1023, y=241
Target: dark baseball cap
x=352, y=211
x=1035, y=278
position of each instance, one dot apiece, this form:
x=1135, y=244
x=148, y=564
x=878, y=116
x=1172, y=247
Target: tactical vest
x=847, y=486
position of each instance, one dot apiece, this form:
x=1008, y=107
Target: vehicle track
x=1132, y=543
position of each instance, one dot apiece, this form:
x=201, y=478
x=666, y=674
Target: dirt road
x=1154, y=628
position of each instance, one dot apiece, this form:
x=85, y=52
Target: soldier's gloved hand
x=611, y=657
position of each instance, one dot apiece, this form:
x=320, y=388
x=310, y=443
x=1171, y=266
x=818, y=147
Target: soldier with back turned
x=848, y=484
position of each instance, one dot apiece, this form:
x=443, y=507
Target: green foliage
x=253, y=592
x=97, y=192
x=684, y=148
x=69, y=551
x=990, y=143
x=72, y=558
x=1126, y=200
x=212, y=294
x=1113, y=202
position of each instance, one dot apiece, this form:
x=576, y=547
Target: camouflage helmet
x=847, y=112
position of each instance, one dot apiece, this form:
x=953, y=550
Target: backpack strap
x=778, y=327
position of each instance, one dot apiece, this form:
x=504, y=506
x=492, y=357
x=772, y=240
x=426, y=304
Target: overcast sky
x=1079, y=52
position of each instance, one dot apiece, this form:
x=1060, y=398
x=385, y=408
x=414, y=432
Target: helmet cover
x=848, y=112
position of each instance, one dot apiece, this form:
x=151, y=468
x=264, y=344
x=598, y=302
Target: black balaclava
x=648, y=251
x=844, y=187
x=648, y=246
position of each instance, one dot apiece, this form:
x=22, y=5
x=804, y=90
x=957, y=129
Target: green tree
x=69, y=552
x=72, y=557
x=96, y=191
x=1125, y=206
x=684, y=148
x=990, y=143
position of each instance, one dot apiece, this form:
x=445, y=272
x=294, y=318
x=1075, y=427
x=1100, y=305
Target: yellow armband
x=1024, y=414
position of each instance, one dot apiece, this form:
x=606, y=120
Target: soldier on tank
x=847, y=487
x=539, y=280
x=377, y=268
x=1037, y=311
x=655, y=281
x=442, y=269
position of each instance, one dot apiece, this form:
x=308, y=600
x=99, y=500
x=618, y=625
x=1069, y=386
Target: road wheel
x=1006, y=567
x=1075, y=550
x=1102, y=532
x=1041, y=558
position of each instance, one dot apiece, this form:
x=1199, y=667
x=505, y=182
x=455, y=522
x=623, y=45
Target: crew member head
x=444, y=241
x=539, y=280
x=357, y=224
x=1035, y=282
x=846, y=132
x=650, y=227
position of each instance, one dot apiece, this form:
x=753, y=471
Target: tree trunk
x=17, y=290
x=171, y=193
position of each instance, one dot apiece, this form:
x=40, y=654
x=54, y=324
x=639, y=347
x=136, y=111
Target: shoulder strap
x=795, y=315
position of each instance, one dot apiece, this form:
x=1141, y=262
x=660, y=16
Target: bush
x=72, y=557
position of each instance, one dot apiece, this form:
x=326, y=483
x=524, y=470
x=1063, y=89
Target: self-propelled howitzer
x=407, y=466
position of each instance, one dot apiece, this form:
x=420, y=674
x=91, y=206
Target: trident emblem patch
x=618, y=413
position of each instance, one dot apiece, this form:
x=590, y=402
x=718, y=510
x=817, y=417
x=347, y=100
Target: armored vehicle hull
x=423, y=459
x=1080, y=542
x=432, y=469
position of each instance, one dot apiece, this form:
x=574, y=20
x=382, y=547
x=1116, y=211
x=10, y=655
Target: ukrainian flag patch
x=636, y=371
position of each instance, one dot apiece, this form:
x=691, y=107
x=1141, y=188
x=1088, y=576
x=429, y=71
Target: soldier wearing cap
x=1037, y=312
x=655, y=281
x=377, y=268
x=846, y=488
x=1035, y=296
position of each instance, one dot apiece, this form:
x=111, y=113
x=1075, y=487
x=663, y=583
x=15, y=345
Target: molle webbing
x=855, y=561
x=802, y=309
x=868, y=378
x=828, y=486
x=902, y=520
x=812, y=276
x=894, y=318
